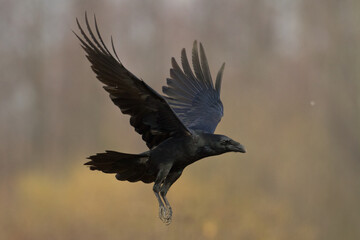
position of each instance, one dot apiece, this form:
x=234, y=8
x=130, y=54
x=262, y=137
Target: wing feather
x=196, y=65
x=219, y=78
x=150, y=114
x=205, y=67
x=193, y=96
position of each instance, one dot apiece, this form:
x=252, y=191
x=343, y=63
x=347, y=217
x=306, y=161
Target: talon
x=165, y=214
x=169, y=212
x=168, y=216
x=162, y=212
x=168, y=221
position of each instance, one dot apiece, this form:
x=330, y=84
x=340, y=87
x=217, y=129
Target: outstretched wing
x=193, y=97
x=151, y=116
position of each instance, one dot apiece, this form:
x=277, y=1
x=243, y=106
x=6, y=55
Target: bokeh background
x=291, y=92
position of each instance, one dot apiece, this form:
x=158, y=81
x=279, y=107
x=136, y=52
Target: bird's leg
x=170, y=179
x=163, y=211
x=161, y=204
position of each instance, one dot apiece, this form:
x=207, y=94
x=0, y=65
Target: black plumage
x=178, y=128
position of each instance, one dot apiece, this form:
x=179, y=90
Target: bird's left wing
x=193, y=96
x=151, y=116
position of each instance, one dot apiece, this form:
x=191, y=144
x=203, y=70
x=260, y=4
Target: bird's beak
x=238, y=148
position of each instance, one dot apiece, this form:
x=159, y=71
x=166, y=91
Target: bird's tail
x=130, y=167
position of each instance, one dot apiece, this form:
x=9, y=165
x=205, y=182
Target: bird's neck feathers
x=208, y=145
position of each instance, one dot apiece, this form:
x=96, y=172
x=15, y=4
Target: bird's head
x=223, y=144
x=230, y=145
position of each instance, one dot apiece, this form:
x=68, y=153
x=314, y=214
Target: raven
x=178, y=128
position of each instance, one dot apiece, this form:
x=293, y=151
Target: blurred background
x=291, y=91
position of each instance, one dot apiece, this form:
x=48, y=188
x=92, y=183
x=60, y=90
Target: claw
x=165, y=214
x=169, y=213
x=162, y=211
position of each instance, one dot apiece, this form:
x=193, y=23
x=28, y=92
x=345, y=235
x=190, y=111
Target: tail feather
x=130, y=167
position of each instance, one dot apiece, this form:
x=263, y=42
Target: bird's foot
x=169, y=213
x=165, y=214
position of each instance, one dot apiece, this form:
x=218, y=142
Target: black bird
x=178, y=128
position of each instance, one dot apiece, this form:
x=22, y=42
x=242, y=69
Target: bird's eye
x=225, y=142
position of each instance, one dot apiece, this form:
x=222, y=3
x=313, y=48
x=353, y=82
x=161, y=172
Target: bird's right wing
x=151, y=116
x=193, y=96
